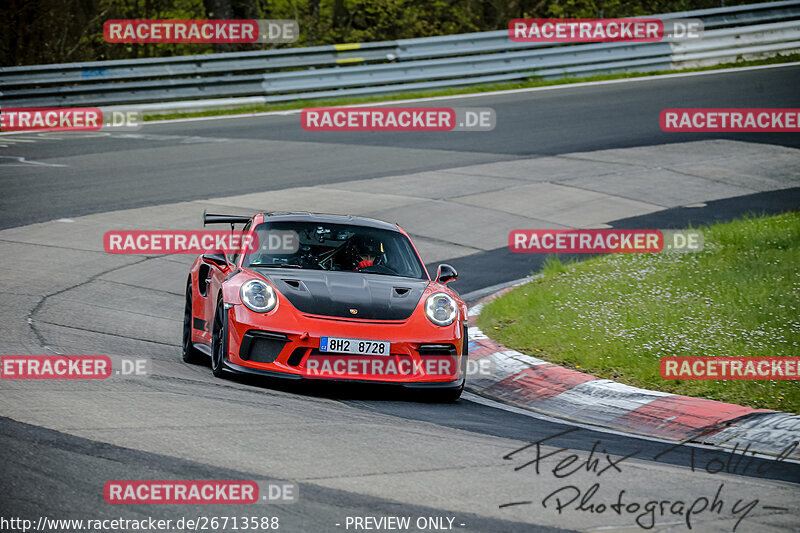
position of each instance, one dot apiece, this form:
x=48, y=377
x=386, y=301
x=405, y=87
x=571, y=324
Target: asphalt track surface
x=107, y=174
x=60, y=474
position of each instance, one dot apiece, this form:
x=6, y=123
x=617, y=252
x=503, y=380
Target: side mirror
x=445, y=273
x=216, y=258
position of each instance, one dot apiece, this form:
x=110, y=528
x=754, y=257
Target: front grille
x=262, y=346
x=297, y=356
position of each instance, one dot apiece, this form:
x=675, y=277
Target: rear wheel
x=219, y=340
x=190, y=353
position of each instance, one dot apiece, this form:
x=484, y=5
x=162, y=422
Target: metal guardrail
x=391, y=66
x=731, y=44
x=197, y=65
x=497, y=41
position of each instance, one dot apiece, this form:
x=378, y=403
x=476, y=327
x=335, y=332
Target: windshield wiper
x=277, y=265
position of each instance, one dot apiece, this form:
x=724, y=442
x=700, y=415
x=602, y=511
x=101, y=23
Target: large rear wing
x=208, y=218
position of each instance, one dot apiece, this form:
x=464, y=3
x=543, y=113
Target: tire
x=219, y=340
x=191, y=354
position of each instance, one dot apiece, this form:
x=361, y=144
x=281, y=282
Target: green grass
x=523, y=84
x=615, y=316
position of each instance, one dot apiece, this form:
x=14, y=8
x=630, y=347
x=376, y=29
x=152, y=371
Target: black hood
x=373, y=296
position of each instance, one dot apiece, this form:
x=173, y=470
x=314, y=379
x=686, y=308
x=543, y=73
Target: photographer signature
x=595, y=500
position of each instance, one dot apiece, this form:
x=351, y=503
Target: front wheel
x=219, y=340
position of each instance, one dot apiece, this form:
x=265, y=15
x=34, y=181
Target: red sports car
x=326, y=297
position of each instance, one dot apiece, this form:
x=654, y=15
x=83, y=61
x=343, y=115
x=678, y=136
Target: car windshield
x=335, y=247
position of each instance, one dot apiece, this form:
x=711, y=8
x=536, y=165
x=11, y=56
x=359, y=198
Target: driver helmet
x=364, y=250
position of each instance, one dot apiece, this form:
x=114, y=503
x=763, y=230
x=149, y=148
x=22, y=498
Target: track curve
x=354, y=452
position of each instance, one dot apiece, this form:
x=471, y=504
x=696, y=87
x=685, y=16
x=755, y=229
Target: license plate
x=353, y=346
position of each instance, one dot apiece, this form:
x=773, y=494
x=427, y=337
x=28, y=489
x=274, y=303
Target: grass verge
x=523, y=84
x=615, y=316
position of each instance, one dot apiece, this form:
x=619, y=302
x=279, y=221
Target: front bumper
x=423, y=385
x=286, y=345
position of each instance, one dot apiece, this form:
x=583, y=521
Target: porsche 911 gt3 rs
x=344, y=298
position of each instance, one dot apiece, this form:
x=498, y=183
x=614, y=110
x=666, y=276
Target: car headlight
x=441, y=309
x=258, y=296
